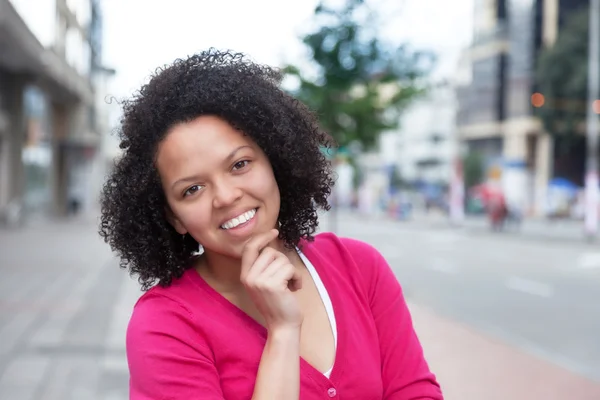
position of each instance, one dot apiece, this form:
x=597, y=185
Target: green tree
x=362, y=83
x=562, y=76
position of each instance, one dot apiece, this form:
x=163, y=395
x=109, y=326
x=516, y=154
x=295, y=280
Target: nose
x=225, y=194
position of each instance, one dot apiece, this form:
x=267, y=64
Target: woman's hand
x=270, y=278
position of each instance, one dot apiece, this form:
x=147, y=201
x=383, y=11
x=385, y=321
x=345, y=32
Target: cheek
x=267, y=186
x=194, y=216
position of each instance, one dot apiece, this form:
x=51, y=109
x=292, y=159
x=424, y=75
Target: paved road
x=541, y=296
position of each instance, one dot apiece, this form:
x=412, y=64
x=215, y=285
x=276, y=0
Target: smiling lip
x=239, y=220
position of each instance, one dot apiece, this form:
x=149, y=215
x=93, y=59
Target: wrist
x=284, y=333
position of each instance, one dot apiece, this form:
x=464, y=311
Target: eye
x=191, y=190
x=241, y=164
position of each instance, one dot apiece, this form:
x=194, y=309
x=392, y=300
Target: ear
x=175, y=222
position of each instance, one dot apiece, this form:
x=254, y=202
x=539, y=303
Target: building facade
x=425, y=144
x=495, y=116
x=49, y=133
x=420, y=153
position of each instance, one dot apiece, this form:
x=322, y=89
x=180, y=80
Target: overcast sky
x=141, y=35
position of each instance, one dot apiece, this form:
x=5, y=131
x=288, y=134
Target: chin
x=234, y=251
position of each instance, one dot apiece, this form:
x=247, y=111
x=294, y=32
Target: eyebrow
x=195, y=177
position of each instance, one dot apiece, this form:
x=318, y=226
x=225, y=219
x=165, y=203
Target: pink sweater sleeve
x=406, y=375
x=166, y=358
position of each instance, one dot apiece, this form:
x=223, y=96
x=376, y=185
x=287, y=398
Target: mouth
x=240, y=220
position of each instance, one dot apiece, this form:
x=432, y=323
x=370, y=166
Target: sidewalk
x=471, y=366
x=65, y=305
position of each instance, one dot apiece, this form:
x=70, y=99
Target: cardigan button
x=332, y=392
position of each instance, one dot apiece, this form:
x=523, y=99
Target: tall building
x=49, y=131
x=495, y=114
x=425, y=144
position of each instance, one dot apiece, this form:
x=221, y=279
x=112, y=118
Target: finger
x=286, y=271
x=254, y=246
x=266, y=257
x=284, y=276
x=281, y=261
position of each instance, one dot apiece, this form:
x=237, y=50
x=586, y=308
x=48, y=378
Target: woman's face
x=218, y=183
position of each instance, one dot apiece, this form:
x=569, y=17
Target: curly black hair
x=247, y=95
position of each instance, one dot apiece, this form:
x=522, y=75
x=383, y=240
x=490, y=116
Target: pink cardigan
x=188, y=342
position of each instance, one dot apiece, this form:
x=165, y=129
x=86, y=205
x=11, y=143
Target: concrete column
x=71, y=130
x=543, y=171
x=550, y=22
x=5, y=175
x=60, y=131
x=14, y=138
x=514, y=170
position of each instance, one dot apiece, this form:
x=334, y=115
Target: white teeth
x=240, y=219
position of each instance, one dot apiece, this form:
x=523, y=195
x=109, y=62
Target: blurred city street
x=466, y=143
x=499, y=319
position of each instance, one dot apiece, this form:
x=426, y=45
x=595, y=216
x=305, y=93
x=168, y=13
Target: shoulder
x=364, y=264
x=351, y=256
x=164, y=311
x=156, y=313
x=168, y=356
x=330, y=244
x=163, y=326
x=161, y=300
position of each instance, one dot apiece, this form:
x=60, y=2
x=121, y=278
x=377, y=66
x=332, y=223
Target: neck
x=224, y=271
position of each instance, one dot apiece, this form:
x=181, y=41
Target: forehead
x=203, y=142
x=204, y=130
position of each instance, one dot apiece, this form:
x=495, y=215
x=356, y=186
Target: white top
x=324, y=298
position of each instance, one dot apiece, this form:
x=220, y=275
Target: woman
x=214, y=206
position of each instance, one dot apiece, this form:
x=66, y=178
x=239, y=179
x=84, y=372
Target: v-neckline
x=262, y=331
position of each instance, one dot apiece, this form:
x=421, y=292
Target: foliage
x=361, y=84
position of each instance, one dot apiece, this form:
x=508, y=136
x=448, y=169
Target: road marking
x=529, y=286
x=441, y=265
x=589, y=261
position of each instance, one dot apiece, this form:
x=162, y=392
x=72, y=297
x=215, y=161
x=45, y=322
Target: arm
x=279, y=370
x=405, y=373
x=164, y=364
x=270, y=278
